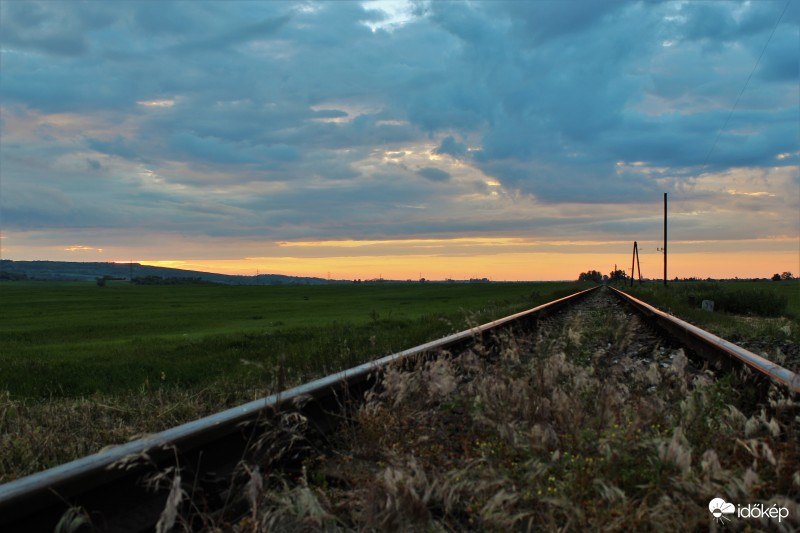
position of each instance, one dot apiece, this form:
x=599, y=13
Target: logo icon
x=719, y=508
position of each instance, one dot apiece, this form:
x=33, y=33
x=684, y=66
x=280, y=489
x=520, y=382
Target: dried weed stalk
x=591, y=423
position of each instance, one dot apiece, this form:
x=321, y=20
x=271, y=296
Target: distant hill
x=72, y=271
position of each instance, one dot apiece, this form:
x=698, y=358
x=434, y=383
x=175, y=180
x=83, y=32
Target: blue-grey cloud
x=433, y=174
x=449, y=146
x=211, y=149
x=150, y=107
x=52, y=29
x=116, y=146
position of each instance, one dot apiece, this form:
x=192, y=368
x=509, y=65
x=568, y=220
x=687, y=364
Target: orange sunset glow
x=505, y=266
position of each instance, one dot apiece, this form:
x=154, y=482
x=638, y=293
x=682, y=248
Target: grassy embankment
x=578, y=427
x=763, y=316
x=73, y=339
x=83, y=366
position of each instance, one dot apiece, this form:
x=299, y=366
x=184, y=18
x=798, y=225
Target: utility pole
x=635, y=262
x=665, y=239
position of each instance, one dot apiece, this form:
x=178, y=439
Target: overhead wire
x=744, y=87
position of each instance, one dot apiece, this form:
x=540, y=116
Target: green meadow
x=762, y=316
x=750, y=299
x=76, y=339
x=83, y=366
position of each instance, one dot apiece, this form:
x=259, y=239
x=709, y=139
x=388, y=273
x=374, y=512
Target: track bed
x=586, y=417
x=594, y=420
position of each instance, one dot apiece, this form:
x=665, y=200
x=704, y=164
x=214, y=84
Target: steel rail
x=714, y=347
x=115, y=500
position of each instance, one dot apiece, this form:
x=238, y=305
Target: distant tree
x=618, y=275
x=591, y=275
x=787, y=275
x=776, y=277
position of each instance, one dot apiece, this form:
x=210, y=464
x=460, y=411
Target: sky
x=507, y=140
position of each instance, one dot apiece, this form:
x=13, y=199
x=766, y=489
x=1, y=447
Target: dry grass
x=583, y=426
x=68, y=379
x=38, y=435
x=545, y=433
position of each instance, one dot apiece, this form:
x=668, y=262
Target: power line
x=747, y=81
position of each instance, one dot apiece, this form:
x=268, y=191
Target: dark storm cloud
x=782, y=63
x=434, y=174
x=449, y=146
x=539, y=22
x=556, y=103
x=210, y=148
x=541, y=98
x=52, y=29
x=171, y=100
x=116, y=146
x=220, y=44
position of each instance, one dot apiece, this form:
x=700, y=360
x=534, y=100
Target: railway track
x=216, y=470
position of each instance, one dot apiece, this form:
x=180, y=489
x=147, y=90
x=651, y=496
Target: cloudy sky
x=511, y=140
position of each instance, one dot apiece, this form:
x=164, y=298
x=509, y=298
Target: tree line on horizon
x=621, y=275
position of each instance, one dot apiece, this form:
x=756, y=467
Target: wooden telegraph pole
x=665, y=239
x=635, y=262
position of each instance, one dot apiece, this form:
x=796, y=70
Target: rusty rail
x=116, y=501
x=713, y=347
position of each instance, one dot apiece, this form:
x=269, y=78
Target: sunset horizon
x=506, y=266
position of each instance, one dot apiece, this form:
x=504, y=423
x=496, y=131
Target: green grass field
x=78, y=339
x=762, y=316
x=757, y=298
x=95, y=366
